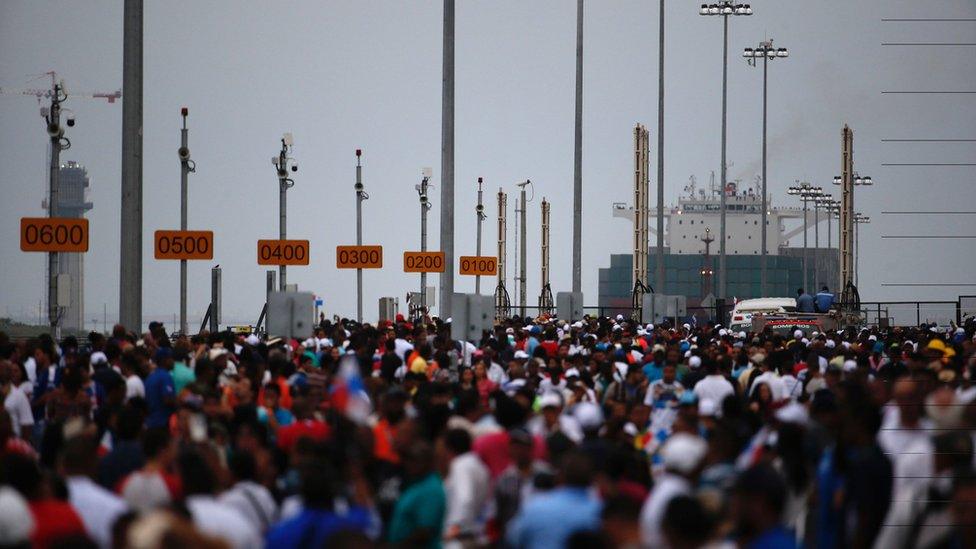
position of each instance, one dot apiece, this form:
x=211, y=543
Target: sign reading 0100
x=53, y=234
x=423, y=262
x=283, y=252
x=359, y=257
x=183, y=245
x=479, y=265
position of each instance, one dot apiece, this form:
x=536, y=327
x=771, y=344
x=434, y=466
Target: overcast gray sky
x=366, y=74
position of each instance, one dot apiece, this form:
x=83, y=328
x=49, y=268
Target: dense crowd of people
x=596, y=433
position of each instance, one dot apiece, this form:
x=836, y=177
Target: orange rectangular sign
x=183, y=245
x=423, y=262
x=53, y=234
x=476, y=265
x=359, y=257
x=283, y=252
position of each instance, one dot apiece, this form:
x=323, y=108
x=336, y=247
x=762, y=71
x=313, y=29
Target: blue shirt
x=159, y=388
x=653, y=371
x=313, y=527
x=549, y=519
x=804, y=303
x=824, y=300
x=774, y=538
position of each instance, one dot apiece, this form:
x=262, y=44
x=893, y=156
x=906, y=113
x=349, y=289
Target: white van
x=742, y=313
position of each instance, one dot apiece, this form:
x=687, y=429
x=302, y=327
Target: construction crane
x=41, y=94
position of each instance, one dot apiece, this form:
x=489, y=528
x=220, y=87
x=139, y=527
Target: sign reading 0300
x=359, y=257
x=183, y=245
x=53, y=234
x=283, y=252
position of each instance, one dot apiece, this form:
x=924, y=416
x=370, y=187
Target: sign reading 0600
x=183, y=245
x=53, y=234
x=283, y=252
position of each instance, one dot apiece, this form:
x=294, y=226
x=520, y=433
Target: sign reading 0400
x=479, y=265
x=423, y=262
x=183, y=245
x=359, y=257
x=283, y=252
x=53, y=234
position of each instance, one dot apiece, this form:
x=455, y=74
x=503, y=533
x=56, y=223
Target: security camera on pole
x=55, y=131
x=281, y=163
x=360, y=197
x=187, y=166
x=425, y=205
x=480, y=210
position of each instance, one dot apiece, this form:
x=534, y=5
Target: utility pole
x=186, y=167
x=447, y=162
x=577, y=164
x=284, y=183
x=360, y=197
x=59, y=142
x=522, y=249
x=130, y=248
x=480, y=210
x=659, y=276
x=424, y=207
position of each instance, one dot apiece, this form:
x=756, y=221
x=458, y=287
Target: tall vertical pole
x=447, y=161
x=722, y=273
x=577, y=161
x=360, y=196
x=522, y=247
x=282, y=209
x=659, y=278
x=544, y=249
x=424, y=206
x=130, y=248
x=847, y=208
x=56, y=132
x=480, y=211
x=816, y=244
x=763, y=288
x=805, y=285
x=184, y=154
x=501, y=292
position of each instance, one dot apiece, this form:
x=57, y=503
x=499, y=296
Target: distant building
x=73, y=189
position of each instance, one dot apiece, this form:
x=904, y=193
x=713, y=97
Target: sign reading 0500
x=283, y=252
x=53, y=234
x=183, y=245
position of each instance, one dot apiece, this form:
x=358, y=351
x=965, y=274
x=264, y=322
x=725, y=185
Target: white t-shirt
x=134, y=387
x=21, y=416
x=714, y=387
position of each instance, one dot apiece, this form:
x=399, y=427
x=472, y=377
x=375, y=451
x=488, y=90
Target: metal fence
x=915, y=313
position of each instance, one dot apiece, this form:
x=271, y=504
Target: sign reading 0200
x=283, y=252
x=53, y=234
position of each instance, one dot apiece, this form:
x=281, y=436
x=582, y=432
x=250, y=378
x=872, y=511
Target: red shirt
x=54, y=520
x=311, y=428
x=493, y=451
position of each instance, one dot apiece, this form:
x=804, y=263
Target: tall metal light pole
x=659, y=253
x=807, y=193
x=766, y=51
x=187, y=166
x=822, y=203
x=130, y=246
x=424, y=207
x=577, y=161
x=284, y=183
x=848, y=180
x=725, y=9
x=360, y=197
x=480, y=211
x=859, y=219
x=55, y=131
x=447, y=161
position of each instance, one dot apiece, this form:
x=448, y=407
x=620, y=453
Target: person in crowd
x=98, y=507
x=418, y=519
x=804, y=302
x=466, y=484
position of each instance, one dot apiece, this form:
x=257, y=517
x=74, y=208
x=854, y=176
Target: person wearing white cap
x=551, y=419
x=713, y=386
x=683, y=455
